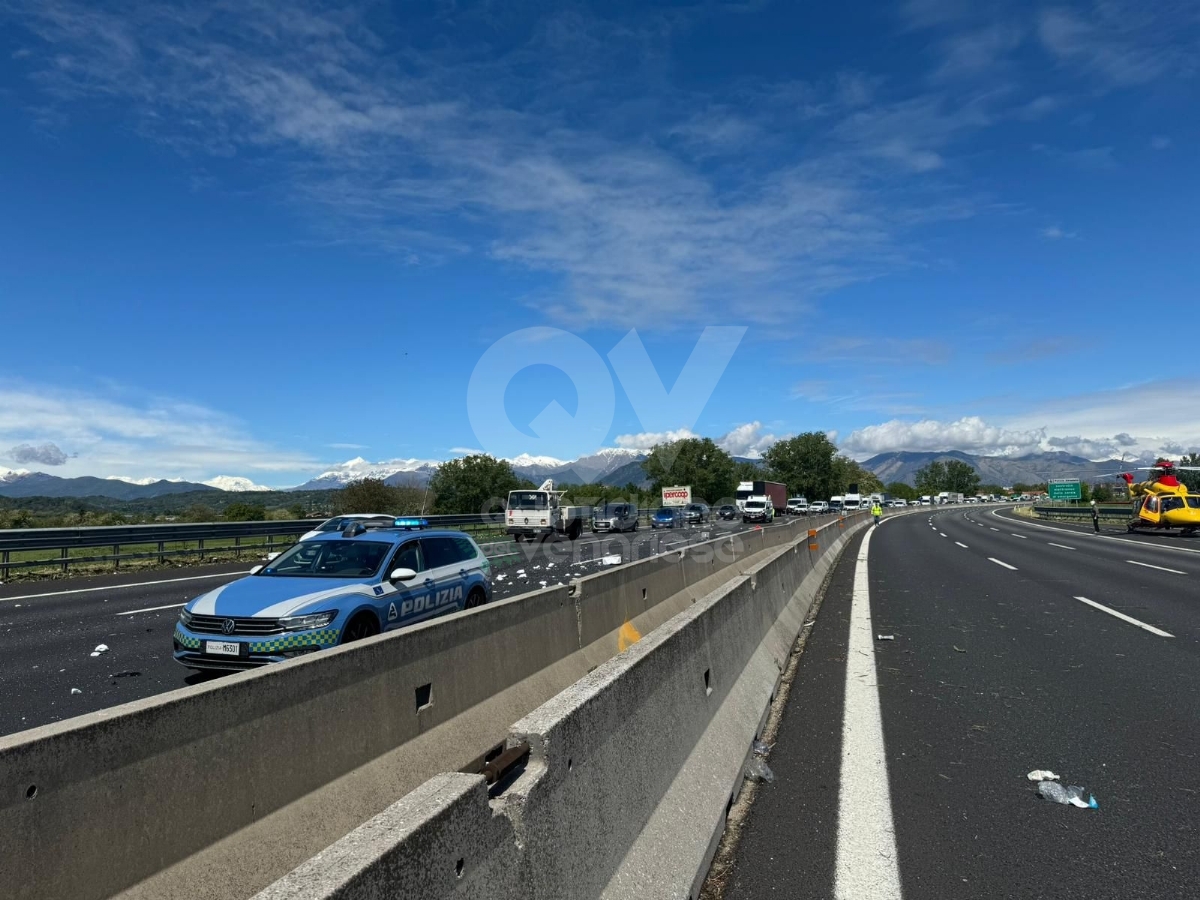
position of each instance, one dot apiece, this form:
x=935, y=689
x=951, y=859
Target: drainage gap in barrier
x=708, y=682
x=506, y=768
x=458, y=867
x=424, y=696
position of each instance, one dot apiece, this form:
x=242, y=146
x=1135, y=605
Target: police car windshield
x=330, y=559
x=527, y=500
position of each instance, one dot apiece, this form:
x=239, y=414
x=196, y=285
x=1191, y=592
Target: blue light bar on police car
x=411, y=523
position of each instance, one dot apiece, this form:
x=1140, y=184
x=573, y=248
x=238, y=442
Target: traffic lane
x=1166, y=597
x=1163, y=540
x=49, y=639
x=992, y=674
x=788, y=843
x=84, y=585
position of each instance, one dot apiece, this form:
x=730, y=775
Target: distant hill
x=39, y=484
x=1003, y=470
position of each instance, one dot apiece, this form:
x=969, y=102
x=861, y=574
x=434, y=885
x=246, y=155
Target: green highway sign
x=1064, y=489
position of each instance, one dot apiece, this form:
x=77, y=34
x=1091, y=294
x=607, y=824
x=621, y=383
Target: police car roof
x=394, y=534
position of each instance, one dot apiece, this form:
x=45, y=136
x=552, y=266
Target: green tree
x=245, y=512
x=692, y=461
x=1085, y=492
x=902, y=491
x=961, y=478
x=368, y=495
x=848, y=472
x=805, y=463
x=1102, y=493
x=473, y=484
x=930, y=478
x=1191, y=479
x=747, y=471
x=297, y=511
x=199, y=512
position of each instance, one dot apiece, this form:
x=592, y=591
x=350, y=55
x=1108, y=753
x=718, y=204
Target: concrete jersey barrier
x=218, y=789
x=632, y=769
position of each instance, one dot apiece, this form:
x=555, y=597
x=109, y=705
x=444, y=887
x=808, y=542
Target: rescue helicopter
x=1161, y=501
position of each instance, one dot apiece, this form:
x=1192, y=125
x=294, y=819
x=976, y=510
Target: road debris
x=1042, y=775
x=76, y=691
x=100, y=648
x=758, y=771
x=885, y=637
x=1071, y=795
x=614, y=560
x=761, y=748
x=958, y=649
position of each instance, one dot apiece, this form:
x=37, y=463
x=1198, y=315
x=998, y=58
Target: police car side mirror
x=402, y=575
x=256, y=570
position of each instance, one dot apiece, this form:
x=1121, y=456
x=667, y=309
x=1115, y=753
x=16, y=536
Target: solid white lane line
x=1060, y=546
x=1134, y=562
x=122, y=587
x=961, y=544
x=1125, y=618
x=134, y=612
x=1021, y=536
x=999, y=563
x=1098, y=537
x=867, y=864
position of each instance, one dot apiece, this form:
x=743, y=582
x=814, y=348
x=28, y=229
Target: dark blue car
x=667, y=517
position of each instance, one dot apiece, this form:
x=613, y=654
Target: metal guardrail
x=111, y=538
x=1082, y=513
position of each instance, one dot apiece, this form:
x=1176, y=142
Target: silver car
x=615, y=517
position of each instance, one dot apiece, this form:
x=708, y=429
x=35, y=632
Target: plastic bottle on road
x=1072, y=795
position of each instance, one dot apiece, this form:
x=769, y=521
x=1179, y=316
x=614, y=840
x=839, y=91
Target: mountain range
x=615, y=466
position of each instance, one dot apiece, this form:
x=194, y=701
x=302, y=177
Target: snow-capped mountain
x=10, y=475
x=234, y=483
x=392, y=471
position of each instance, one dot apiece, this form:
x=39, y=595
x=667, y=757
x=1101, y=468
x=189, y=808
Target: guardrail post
x=200, y=549
x=160, y=552
x=4, y=566
x=64, y=554
x=270, y=543
x=116, y=557
x=237, y=548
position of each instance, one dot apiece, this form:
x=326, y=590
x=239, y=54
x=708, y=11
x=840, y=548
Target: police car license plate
x=222, y=648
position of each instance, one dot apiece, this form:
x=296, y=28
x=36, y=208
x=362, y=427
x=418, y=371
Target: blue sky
x=241, y=240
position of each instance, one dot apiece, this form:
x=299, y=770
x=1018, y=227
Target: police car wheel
x=363, y=625
x=476, y=598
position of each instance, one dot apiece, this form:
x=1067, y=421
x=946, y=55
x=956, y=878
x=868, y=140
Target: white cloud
x=1124, y=42
x=1056, y=233
x=1141, y=420
x=620, y=208
x=747, y=440
x=176, y=438
x=643, y=441
x=46, y=454
x=970, y=434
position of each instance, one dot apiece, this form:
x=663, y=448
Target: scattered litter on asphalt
x=614, y=560
x=501, y=577
x=885, y=637
x=810, y=623
x=100, y=648
x=761, y=748
x=543, y=583
x=1071, y=795
x=758, y=771
x=958, y=649
x=1042, y=775
x=520, y=571
x=76, y=691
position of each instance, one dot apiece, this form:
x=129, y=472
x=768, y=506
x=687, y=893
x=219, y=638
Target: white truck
x=539, y=514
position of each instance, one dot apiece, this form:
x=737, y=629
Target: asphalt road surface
x=50, y=629
x=901, y=764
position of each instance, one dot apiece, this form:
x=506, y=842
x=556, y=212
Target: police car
x=330, y=590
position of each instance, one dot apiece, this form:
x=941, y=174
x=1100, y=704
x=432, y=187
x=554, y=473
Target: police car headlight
x=309, y=622
x=185, y=617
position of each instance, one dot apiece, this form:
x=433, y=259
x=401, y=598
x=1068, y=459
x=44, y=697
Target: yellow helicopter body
x=1163, y=503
